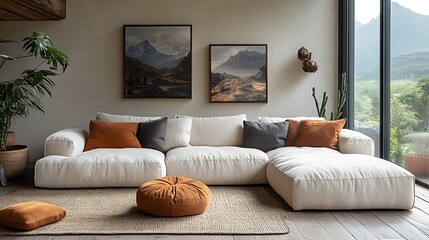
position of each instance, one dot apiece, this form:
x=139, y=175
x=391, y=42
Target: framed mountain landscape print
x=157, y=61
x=238, y=73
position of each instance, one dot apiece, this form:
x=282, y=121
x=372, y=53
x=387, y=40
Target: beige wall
x=91, y=35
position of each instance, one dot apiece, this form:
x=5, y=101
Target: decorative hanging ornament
x=308, y=65
x=304, y=54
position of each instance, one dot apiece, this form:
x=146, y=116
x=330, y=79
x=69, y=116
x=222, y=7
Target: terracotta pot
x=14, y=160
x=10, y=138
x=417, y=165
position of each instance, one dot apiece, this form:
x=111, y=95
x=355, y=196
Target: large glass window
x=408, y=80
x=409, y=86
x=367, y=70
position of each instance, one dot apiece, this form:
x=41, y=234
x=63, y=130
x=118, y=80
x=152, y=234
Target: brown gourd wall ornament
x=308, y=65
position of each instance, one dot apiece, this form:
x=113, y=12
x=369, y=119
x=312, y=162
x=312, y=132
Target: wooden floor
x=387, y=224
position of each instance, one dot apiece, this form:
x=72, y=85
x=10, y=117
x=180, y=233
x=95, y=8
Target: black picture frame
x=238, y=73
x=157, y=61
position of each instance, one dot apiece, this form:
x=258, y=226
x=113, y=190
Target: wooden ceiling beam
x=32, y=10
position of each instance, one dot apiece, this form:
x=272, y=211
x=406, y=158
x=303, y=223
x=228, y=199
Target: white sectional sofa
x=209, y=150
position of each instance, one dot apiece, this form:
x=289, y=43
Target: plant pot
x=14, y=160
x=417, y=165
x=10, y=138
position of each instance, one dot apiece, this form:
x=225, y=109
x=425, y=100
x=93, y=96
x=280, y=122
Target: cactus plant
x=321, y=112
x=342, y=97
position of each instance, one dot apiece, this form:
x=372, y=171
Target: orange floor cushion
x=173, y=197
x=30, y=215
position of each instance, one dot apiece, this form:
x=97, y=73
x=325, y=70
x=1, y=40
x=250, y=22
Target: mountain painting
x=238, y=73
x=157, y=61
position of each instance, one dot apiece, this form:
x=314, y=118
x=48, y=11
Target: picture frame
x=238, y=73
x=157, y=61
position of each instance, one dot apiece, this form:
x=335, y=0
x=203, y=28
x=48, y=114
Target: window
x=386, y=55
x=367, y=70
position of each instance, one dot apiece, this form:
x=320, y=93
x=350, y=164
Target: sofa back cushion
x=112, y=135
x=66, y=142
x=216, y=131
x=177, y=134
x=282, y=119
x=320, y=133
x=123, y=118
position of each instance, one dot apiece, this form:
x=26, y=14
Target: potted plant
x=19, y=95
x=341, y=98
x=417, y=157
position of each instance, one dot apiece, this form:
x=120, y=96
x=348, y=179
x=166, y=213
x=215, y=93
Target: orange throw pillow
x=112, y=135
x=320, y=133
x=293, y=132
x=30, y=215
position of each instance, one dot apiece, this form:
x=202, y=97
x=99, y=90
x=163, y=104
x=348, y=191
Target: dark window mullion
x=346, y=36
x=385, y=20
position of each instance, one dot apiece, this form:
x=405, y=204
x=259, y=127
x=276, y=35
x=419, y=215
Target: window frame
x=346, y=55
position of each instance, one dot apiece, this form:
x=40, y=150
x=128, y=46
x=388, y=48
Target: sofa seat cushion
x=218, y=165
x=322, y=178
x=126, y=167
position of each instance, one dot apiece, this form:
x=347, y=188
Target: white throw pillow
x=123, y=118
x=216, y=131
x=177, y=133
x=282, y=119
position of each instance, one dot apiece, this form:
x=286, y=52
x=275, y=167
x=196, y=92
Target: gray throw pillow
x=264, y=136
x=152, y=134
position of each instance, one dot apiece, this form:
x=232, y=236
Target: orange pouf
x=173, y=197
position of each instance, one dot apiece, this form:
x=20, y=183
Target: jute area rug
x=233, y=210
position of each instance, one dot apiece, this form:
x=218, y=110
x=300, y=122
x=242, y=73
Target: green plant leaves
x=26, y=92
x=37, y=44
x=40, y=45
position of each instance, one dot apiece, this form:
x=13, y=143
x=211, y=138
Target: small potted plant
x=417, y=157
x=19, y=95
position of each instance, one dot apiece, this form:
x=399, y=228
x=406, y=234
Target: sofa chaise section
x=322, y=178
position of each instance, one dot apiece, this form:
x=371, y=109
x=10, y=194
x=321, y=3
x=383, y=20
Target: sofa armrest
x=353, y=142
x=66, y=142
